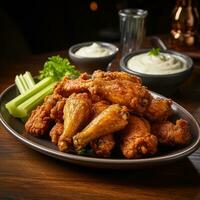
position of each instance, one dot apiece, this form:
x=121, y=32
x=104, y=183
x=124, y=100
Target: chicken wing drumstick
x=77, y=110
x=170, y=134
x=103, y=145
x=137, y=141
x=112, y=119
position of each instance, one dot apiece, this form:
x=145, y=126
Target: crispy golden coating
x=56, y=132
x=121, y=88
x=159, y=110
x=77, y=110
x=103, y=145
x=66, y=87
x=115, y=75
x=98, y=107
x=115, y=87
x=90, y=110
x=137, y=141
x=112, y=119
x=170, y=134
x=124, y=92
x=57, y=111
x=39, y=123
x=95, y=98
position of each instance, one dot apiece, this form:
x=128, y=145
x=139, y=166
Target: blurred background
x=35, y=27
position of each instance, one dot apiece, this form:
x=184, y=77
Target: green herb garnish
x=33, y=94
x=85, y=152
x=154, y=52
x=57, y=67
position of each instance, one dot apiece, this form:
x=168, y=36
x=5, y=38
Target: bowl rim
x=124, y=59
x=77, y=46
x=133, y=13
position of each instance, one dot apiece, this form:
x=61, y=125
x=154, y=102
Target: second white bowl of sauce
x=161, y=71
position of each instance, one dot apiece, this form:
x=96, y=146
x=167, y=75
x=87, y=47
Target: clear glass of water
x=132, y=29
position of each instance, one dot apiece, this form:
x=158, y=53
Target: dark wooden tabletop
x=27, y=174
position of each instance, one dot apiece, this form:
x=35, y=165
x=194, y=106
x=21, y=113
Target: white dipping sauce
x=93, y=51
x=163, y=63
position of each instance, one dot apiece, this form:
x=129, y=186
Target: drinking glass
x=132, y=29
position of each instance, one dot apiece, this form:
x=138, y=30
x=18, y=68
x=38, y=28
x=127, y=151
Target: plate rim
x=73, y=157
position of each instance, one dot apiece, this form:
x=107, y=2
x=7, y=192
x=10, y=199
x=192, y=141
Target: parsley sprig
x=58, y=67
x=154, y=52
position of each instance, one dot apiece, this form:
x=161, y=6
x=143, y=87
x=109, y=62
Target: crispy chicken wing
x=66, y=87
x=77, y=111
x=137, y=141
x=124, y=92
x=98, y=107
x=115, y=87
x=56, y=132
x=159, y=110
x=103, y=145
x=40, y=122
x=115, y=75
x=170, y=134
x=121, y=88
x=57, y=111
x=112, y=119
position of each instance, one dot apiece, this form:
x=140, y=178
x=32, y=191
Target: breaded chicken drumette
x=112, y=119
x=103, y=145
x=170, y=134
x=159, y=110
x=77, y=111
x=137, y=141
x=40, y=122
x=56, y=132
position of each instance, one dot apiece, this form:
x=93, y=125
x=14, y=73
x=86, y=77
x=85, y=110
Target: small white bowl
x=165, y=84
x=91, y=64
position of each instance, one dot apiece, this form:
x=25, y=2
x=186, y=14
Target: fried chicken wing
x=103, y=145
x=159, y=110
x=115, y=87
x=137, y=141
x=170, y=134
x=56, y=132
x=92, y=109
x=57, y=111
x=115, y=75
x=77, y=111
x=66, y=87
x=98, y=107
x=124, y=92
x=40, y=122
x=112, y=119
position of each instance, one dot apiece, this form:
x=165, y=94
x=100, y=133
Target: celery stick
x=23, y=82
x=24, y=109
x=12, y=105
x=20, y=85
x=29, y=79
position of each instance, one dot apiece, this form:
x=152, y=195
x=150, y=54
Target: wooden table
x=27, y=174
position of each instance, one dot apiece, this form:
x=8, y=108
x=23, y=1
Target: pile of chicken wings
x=107, y=111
